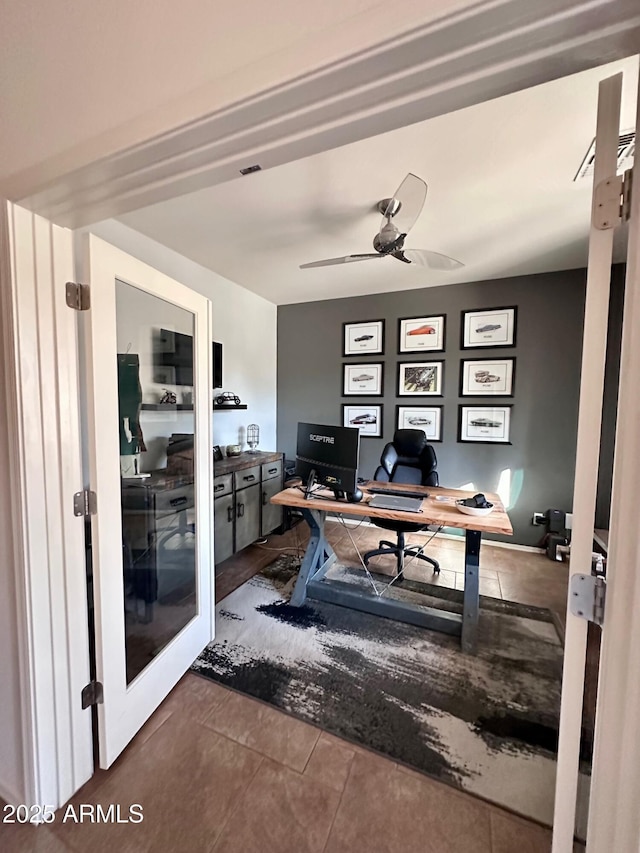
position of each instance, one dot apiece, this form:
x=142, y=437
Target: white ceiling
x=501, y=199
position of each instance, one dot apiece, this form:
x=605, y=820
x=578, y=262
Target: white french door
x=148, y=354
x=606, y=817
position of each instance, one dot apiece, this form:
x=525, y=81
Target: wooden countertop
x=246, y=460
x=434, y=511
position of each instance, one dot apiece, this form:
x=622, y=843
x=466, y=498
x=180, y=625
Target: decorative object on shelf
x=363, y=338
x=234, y=450
x=217, y=453
x=420, y=378
x=493, y=327
x=253, y=437
x=487, y=377
x=421, y=334
x=227, y=398
x=168, y=397
x=426, y=418
x=484, y=424
x=362, y=379
x=368, y=419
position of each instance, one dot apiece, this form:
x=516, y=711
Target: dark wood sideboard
x=242, y=489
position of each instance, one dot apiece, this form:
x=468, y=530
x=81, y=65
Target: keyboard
x=401, y=504
x=401, y=493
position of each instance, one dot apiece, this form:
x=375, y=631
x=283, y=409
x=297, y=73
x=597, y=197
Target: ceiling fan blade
x=347, y=259
x=433, y=260
x=411, y=194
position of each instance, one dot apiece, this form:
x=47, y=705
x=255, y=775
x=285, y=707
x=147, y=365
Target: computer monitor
x=328, y=455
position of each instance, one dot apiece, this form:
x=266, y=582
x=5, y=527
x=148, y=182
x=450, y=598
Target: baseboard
x=512, y=546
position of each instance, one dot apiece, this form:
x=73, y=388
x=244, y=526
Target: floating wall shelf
x=183, y=407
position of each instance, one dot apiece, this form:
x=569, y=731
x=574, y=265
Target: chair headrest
x=409, y=442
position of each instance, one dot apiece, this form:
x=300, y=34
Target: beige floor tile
x=387, y=812
x=488, y=586
x=25, y=838
x=509, y=834
x=281, y=812
x=330, y=762
x=266, y=730
x=195, y=697
x=186, y=777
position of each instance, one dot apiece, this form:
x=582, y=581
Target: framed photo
x=362, y=379
x=484, y=424
x=363, y=338
x=487, y=378
x=494, y=327
x=420, y=378
x=426, y=418
x=421, y=334
x=368, y=419
x=217, y=453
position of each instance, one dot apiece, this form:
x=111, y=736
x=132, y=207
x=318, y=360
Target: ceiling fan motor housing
x=389, y=239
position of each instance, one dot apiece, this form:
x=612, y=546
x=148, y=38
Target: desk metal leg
x=471, y=600
x=318, y=557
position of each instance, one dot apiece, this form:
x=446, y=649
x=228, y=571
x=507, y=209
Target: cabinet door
x=247, y=516
x=223, y=527
x=271, y=513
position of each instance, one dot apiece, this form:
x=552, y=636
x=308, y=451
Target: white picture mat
x=491, y=377
x=352, y=412
x=433, y=414
x=504, y=335
x=373, y=344
x=500, y=415
x=413, y=382
x=355, y=383
x=425, y=342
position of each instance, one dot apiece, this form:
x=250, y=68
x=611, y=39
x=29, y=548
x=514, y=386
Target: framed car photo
x=484, y=424
x=426, y=418
x=365, y=338
x=363, y=379
x=487, y=377
x=420, y=378
x=368, y=419
x=421, y=334
x=493, y=327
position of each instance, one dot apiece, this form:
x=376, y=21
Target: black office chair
x=411, y=460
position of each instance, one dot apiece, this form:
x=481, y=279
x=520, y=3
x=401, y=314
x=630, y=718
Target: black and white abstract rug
x=487, y=724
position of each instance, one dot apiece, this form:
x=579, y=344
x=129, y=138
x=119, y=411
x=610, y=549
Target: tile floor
x=218, y=772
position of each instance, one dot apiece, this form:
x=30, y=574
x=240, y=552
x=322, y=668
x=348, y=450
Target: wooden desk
x=320, y=556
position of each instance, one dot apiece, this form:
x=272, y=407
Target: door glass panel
x=156, y=426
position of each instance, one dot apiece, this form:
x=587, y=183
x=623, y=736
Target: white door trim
x=614, y=819
x=424, y=60
x=48, y=546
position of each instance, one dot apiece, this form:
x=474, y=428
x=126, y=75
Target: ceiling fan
x=399, y=215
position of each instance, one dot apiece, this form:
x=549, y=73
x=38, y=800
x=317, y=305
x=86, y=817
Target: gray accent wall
x=541, y=455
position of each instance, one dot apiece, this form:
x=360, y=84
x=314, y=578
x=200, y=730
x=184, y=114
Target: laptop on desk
x=400, y=504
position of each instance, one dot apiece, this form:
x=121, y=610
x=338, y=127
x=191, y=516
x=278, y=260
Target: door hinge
x=588, y=593
x=78, y=296
x=92, y=694
x=612, y=201
x=85, y=503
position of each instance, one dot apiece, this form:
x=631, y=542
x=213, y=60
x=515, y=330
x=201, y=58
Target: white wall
x=244, y=323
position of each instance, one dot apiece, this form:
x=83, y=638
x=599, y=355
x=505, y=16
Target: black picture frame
x=217, y=453
x=347, y=420
x=350, y=331
x=400, y=371
x=430, y=438
x=471, y=341
x=350, y=389
x=483, y=413
x=402, y=350
x=493, y=394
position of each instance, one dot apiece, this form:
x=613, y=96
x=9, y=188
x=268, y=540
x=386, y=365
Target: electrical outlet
x=539, y=518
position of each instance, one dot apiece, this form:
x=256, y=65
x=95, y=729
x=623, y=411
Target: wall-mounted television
x=175, y=351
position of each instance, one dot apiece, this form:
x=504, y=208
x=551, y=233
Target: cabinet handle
x=178, y=501
x=264, y=499
x=218, y=487
x=273, y=471
x=249, y=478
x=240, y=510
x=229, y=514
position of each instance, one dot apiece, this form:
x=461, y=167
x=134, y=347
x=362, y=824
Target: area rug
x=487, y=724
